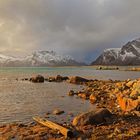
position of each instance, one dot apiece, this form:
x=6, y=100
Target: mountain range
x=38, y=58
x=129, y=54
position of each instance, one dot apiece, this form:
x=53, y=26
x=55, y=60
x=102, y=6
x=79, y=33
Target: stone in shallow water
x=77, y=80
x=37, y=79
x=60, y=78
x=58, y=112
x=71, y=93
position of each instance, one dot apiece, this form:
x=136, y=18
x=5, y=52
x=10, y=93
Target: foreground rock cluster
x=115, y=95
x=117, y=115
x=121, y=100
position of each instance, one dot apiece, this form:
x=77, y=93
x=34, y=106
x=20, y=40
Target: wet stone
x=58, y=112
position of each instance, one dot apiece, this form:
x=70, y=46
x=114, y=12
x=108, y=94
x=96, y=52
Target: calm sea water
x=21, y=100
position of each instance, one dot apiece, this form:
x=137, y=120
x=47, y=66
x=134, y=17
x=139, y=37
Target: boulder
x=37, y=79
x=77, y=80
x=58, y=112
x=24, y=79
x=46, y=79
x=60, y=78
x=83, y=95
x=130, y=84
x=51, y=79
x=92, y=98
x=71, y=93
x=136, y=86
x=127, y=104
x=134, y=94
x=65, y=78
x=92, y=117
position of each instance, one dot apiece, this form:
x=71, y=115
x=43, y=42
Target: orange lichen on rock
x=92, y=98
x=127, y=104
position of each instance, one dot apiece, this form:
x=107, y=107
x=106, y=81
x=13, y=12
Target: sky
x=80, y=28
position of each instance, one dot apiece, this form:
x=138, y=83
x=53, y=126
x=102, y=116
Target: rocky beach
x=116, y=116
x=69, y=70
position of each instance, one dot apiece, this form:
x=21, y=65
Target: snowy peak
x=39, y=58
x=112, y=52
x=49, y=58
x=129, y=54
x=133, y=46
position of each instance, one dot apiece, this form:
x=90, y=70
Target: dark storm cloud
x=76, y=27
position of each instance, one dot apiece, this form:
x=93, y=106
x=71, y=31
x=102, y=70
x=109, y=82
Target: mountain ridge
x=128, y=54
x=38, y=59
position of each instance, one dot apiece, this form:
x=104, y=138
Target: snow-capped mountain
x=39, y=58
x=129, y=54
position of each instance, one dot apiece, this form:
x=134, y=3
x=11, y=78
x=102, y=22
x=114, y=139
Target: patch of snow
x=113, y=52
x=136, y=48
x=127, y=54
x=113, y=49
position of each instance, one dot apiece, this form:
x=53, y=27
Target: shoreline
x=121, y=98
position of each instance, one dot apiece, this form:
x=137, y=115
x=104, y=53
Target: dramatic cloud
x=82, y=28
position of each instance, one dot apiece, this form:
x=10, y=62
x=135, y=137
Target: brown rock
x=77, y=80
x=127, y=104
x=134, y=93
x=92, y=117
x=92, y=98
x=24, y=79
x=136, y=85
x=58, y=112
x=51, y=79
x=130, y=84
x=71, y=93
x=121, y=85
x=37, y=79
x=60, y=78
x=83, y=95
